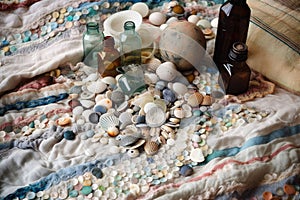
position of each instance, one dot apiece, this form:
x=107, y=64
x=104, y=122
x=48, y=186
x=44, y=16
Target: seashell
x=207, y=100
x=108, y=120
x=113, y=131
x=141, y=8
x=155, y=117
x=127, y=140
x=87, y=103
x=152, y=64
x=161, y=103
x=148, y=106
x=86, y=95
x=122, y=106
x=179, y=113
x=96, y=87
x=77, y=110
x=289, y=189
x=92, y=77
x=132, y=153
x=167, y=71
x=214, y=22
x=105, y=102
x=196, y=138
x=151, y=78
x=163, y=27
x=174, y=120
x=151, y=148
x=64, y=121
x=193, y=19
x=125, y=119
x=171, y=20
x=195, y=99
x=267, y=195
x=179, y=88
x=157, y=18
x=118, y=97
x=137, y=144
x=203, y=24
x=109, y=80
x=197, y=155
x=142, y=99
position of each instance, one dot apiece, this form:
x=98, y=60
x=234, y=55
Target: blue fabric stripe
x=259, y=140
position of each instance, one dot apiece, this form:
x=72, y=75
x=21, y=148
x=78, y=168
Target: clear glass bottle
x=234, y=17
x=92, y=44
x=130, y=45
x=108, y=58
x=236, y=73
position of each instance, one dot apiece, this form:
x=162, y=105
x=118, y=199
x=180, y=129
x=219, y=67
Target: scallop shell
x=96, y=87
x=195, y=99
x=155, y=117
x=151, y=148
x=167, y=71
x=108, y=120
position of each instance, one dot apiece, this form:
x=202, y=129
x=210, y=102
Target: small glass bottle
x=130, y=45
x=108, y=58
x=92, y=44
x=236, y=73
x=234, y=17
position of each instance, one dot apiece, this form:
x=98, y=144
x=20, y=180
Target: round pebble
x=94, y=118
x=97, y=172
x=186, y=170
x=69, y=135
x=86, y=190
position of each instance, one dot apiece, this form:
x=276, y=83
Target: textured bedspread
x=53, y=144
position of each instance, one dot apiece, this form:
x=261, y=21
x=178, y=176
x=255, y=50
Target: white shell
x=151, y=78
x=203, y=23
x=132, y=153
x=214, y=22
x=155, y=117
x=77, y=110
x=109, y=80
x=157, y=18
x=149, y=106
x=91, y=77
x=87, y=103
x=197, y=155
x=96, y=87
x=179, y=113
x=179, y=88
x=196, y=138
x=193, y=19
x=125, y=119
x=141, y=8
x=108, y=120
x=166, y=71
x=105, y=102
x=171, y=20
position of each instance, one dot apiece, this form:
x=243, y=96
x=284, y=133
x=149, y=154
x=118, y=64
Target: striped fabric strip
x=281, y=37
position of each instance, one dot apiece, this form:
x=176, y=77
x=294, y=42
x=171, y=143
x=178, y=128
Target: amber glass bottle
x=108, y=58
x=233, y=26
x=236, y=73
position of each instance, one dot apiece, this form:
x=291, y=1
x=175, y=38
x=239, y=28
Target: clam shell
x=151, y=78
x=155, y=117
x=125, y=119
x=96, y=87
x=149, y=106
x=153, y=64
x=195, y=99
x=87, y=103
x=138, y=144
x=108, y=120
x=105, y=102
x=127, y=140
x=179, y=113
x=151, y=148
x=109, y=80
x=197, y=155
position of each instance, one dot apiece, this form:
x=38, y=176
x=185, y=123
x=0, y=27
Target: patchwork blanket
x=56, y=144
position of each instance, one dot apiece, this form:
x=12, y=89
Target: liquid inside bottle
x=130, y=45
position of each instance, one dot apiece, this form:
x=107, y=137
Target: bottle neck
x=92, y=28
x=238, y=2
x=129, y=27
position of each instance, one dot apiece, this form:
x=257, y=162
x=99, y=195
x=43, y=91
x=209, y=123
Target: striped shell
x=127, y=140
x=108, y=120
x=151, y=148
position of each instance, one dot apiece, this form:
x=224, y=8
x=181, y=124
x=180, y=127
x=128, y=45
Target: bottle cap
x=239, y=52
